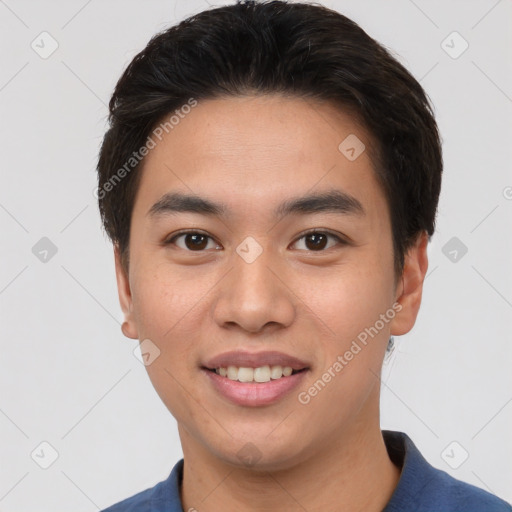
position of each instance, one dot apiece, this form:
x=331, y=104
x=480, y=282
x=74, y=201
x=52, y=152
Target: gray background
x=69, y=378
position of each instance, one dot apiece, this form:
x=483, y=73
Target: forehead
x=260, y=149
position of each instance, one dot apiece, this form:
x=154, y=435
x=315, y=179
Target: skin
x=251, y=153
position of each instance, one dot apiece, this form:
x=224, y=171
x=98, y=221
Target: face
x=257, y=241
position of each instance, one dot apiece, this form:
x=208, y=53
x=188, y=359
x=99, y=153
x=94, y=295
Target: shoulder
x=424, y=488
x=136, y=503
x=448, y=494
x=164, y=495
x=466, y=497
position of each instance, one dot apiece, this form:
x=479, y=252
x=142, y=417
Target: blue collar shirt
x=421, y=488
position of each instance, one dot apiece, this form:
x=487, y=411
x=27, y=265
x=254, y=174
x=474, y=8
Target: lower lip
x=253, y=394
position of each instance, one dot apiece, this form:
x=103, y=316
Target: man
x=270, y=182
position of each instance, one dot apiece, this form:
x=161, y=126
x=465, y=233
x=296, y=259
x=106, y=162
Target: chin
x=258, y=454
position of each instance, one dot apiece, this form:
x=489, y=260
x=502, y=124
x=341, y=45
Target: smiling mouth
x=260, y=374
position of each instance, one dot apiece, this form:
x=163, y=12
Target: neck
x=353, y=472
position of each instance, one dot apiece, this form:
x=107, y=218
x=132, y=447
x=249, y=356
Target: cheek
x=169, y=309
x=352, y=306
x=166, y=375
x=349, y=299
x=165, y=300
x=166, y=310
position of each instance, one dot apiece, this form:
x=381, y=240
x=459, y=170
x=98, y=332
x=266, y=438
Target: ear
x=410, y=289
x=129, y=327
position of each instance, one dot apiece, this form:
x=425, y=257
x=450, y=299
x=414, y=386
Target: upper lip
x=246, y=359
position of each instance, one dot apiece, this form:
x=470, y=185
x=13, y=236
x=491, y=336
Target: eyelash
x=340, y=240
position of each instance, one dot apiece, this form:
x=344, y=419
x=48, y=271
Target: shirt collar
x=416, y=473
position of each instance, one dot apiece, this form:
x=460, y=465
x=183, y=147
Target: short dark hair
x=295, y=49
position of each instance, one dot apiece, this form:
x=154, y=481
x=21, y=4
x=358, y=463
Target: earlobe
x=128, y=327
x=411, y=288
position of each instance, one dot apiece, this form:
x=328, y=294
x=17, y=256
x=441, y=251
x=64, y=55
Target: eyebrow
x=330, y=201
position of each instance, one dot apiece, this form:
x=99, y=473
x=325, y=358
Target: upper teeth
x=260, y=374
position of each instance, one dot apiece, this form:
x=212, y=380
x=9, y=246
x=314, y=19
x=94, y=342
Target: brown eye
x=317, y=241
x=196, y=242
x=193, y=241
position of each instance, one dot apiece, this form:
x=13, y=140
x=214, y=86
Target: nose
x=254, y=296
